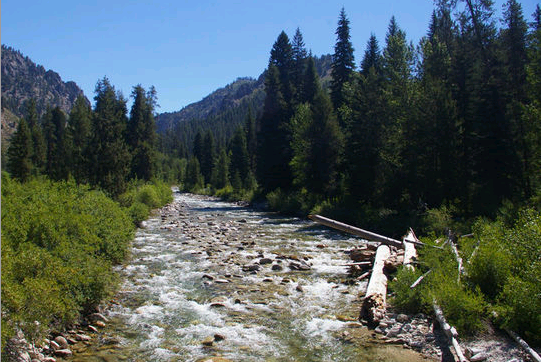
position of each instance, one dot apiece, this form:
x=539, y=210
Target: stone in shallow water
x=209, y=341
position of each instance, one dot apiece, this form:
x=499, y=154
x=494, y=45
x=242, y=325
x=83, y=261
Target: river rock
x=62, y=342
x=54, y=346
x=249, y=268
x=218, y=337
x=99, y=317
x=265, y=261
x=82, y=337
x=402, y=318
x=48, y=359
x=277, y=267
x=64, y=353
x=209, y=341
x=300, y=265
x=100, y=324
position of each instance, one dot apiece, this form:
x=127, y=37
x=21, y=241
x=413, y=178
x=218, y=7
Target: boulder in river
x=299, y=265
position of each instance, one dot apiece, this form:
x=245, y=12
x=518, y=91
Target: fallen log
x=449, y=331
x=363, y=276
x=360, y=263
x=410, y=254
x=374, y=303
x=355, y=231
x=524, y=345
x=420, y=279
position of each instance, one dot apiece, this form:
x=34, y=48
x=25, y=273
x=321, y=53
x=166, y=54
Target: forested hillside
x=221, y=112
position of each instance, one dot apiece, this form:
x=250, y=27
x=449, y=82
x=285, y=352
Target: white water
x=168, y=305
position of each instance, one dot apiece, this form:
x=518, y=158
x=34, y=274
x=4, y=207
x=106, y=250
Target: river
x=208, y=278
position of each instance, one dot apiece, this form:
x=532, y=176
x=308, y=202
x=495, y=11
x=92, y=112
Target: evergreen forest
x=443, y=136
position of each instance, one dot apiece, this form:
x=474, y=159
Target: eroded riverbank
x=209, y=278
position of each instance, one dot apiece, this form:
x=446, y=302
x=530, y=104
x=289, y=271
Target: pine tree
x=208, y=157
x=282, y=58
x=140, y=133
x=19, y=163
x=299, y=58
x=110, y=158
x=251, y=139
x=194, y=179
x=240, y=162
x=311, y=84
x=197, y=149
x=273, y=138
x=38, y=141
x=372, y=56
x=343, y=63
x=317, y=144
x=397, y=63
x=54, y=128
x=79, y=132
x=514, y=60
x=222, y=170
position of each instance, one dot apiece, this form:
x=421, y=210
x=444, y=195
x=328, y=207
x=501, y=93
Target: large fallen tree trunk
x=410, y=254
x=355, y=231
x=449, y=331
x=374, y=306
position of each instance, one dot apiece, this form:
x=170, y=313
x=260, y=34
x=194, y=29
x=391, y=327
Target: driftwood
x=449, y=331
x=524, y=345
x=355, y=231
x=362, y=276
x=410, y=254
x=359, y=263
x=374, y=306
x=420, y=279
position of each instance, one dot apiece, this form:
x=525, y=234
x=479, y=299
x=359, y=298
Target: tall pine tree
x=110, y=158
x=19, y=163
x=343, y=61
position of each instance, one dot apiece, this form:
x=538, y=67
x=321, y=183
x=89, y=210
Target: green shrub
x=59, y=241
x=138, y=212
x=407, y=299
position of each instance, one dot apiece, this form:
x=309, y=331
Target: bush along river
x=212, y=280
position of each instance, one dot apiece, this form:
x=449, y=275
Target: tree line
x=454, y=121
x=103, y=147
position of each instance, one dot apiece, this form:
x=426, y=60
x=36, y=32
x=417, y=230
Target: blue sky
x=187, y=49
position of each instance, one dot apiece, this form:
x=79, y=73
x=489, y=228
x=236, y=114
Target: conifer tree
x=194, y=179
x=299, y=58
x=372, y=56
x=240, y=162
x=251, y=139
x=19, y=163
x=311, y=84
x=282, y=58
x=54, y=128
x=79, y=132
x=343, y=60
x=514, y=60
x=38, y=141
x=396, y=70
x=110, y=158
x=273, y=139
x=208, y=157
x=222, y=170
x=140, y=133
x=198, y=146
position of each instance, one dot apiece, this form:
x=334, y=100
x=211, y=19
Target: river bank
x=213, y=279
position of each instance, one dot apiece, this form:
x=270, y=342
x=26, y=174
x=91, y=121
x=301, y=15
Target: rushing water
x=185, y=283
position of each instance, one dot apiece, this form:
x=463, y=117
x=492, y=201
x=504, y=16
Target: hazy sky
x=187, y=49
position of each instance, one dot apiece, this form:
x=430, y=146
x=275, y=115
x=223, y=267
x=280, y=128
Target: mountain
x=23, y=79
x=225, y=109
x=217, y=102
